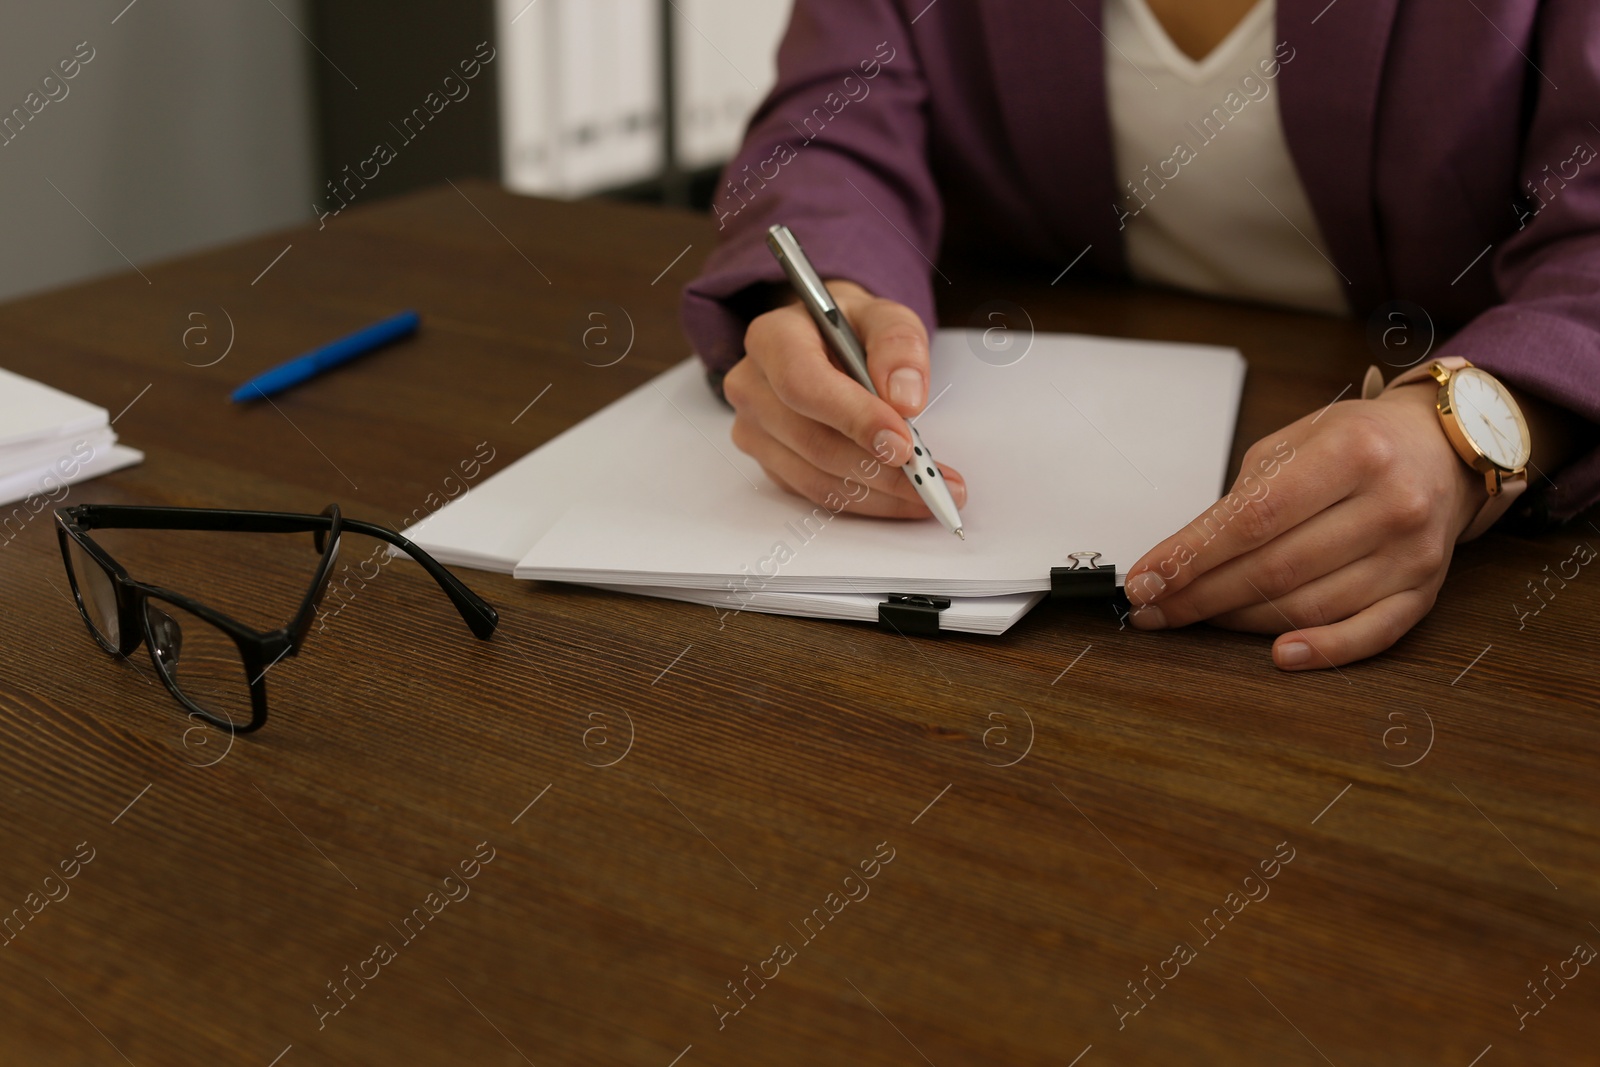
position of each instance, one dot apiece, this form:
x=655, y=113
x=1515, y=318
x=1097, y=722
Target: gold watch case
x=1495, y=474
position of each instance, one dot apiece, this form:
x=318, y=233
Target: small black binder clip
x=1087, y=577
x=912, y=613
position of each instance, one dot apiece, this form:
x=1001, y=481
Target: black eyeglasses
x=216, y=667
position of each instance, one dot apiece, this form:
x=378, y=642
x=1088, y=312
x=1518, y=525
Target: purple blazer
x=1449, y=151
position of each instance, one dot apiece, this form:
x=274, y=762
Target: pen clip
x=801, y=273
x=820, y=303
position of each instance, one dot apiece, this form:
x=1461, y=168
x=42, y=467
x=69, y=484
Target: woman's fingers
x=1319, y=546
x=1364, y=634
x=817, y=431
x=763, y=415
x=797, y=475
x=784, y=349
x=826, y=449
x=1322, y=602
x=1313, y=468
x=1344, y=592
x=897, y=351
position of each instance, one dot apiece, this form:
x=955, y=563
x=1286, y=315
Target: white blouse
x=1209, y=196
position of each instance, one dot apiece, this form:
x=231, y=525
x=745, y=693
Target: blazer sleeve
x=1544, y=339
x=837, y=152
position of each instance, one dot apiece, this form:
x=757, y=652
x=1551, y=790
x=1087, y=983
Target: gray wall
x=192, y=125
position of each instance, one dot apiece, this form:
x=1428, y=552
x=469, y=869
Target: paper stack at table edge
x=1084, y=444
x=50, y=440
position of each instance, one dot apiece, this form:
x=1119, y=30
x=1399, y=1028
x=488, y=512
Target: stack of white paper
x=1083, y=445
x=49, y=440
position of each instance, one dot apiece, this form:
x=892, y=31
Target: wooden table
x=669, y=800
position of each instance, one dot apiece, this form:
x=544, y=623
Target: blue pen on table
x=313, y=363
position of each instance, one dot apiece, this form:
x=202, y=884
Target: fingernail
x=906, y=389
x=1148, y=617
x=1144, y=587
x=1293, y=654
x=891, y=448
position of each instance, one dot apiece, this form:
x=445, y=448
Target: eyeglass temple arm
x=475, y=611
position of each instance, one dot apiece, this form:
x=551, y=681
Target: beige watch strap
x=1373, y=384
x=1510, y=488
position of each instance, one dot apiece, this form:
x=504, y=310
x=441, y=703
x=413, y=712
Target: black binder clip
x=911, y=613
x=1087, y=577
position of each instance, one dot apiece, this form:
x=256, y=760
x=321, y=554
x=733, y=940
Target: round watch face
x=1490, y=418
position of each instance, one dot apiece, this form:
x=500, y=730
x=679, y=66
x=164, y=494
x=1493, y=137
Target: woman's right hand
x=813, y=428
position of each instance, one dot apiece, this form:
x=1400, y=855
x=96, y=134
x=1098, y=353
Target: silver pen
x=836, y=331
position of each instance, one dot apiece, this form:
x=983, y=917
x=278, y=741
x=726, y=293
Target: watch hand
x=1498, y=435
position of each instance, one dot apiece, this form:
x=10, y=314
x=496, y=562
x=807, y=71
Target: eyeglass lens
x=200, y=661
x=96, y=594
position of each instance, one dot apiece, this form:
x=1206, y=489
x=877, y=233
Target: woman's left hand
x=1336, y=535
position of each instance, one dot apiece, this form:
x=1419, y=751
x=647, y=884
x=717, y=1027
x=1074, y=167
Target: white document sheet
x=32, y=413
x=49, y=439
x=1084, y=444
x=969, y=614
x=44, y=482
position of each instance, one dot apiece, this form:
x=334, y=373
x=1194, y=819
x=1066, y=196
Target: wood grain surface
x=668, y=798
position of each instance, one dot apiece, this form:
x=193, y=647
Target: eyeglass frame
x=258, y=650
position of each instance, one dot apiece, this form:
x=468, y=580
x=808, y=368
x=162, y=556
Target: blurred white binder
x=580, y=94
x=725, y=60
x=1082, y=444
x=581, y=101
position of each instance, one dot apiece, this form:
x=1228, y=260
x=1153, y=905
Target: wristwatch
x=1484, y=425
